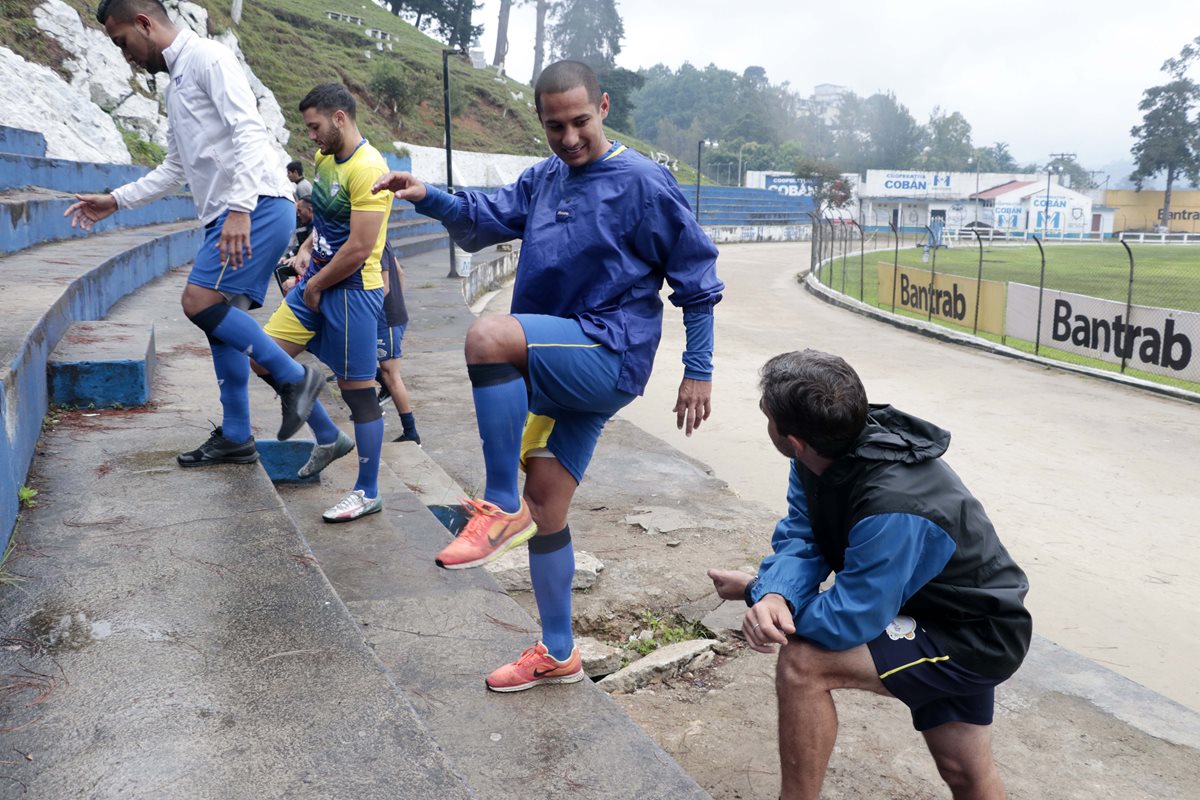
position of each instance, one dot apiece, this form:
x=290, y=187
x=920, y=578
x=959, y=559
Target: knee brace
x=207, y=319
x=364, y=405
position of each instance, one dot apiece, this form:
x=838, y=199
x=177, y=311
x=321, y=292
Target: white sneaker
x=324, y=454
x=354, y=505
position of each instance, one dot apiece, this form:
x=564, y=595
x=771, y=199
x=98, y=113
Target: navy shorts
x=573, y=391
x=390, y=338
x=271, y=224
x=921, y=675
x=341, y=333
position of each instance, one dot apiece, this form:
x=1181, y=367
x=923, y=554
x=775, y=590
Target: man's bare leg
x=963, y=753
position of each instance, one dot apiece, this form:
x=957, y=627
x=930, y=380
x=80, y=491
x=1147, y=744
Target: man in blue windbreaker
x=927, y=606
x=601, y=227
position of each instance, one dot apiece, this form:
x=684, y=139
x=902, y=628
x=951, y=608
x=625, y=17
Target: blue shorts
x=573, y=391
x=271, y=224
x=935, y=688
x=341, y=334
x=389, y=340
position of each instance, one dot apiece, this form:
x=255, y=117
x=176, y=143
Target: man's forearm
x=345, y=262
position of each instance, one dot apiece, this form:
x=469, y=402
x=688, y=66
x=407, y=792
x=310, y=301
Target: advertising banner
x=1158, y=340
x=951, y=296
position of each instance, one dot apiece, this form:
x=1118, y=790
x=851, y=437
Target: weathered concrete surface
x=173, y=635
x=103, y=365
x=1057, y=734
x=441, y=631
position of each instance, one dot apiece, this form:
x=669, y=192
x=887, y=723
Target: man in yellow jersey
x=334, y=309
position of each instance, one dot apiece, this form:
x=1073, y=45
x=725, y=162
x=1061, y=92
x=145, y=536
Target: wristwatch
x=749, y=590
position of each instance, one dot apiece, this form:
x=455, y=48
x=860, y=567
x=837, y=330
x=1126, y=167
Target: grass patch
x=7, y=577
x=26, y=497
x=145, y=153
x=666, y=629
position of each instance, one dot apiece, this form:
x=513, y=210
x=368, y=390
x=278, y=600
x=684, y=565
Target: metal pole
x=1037, y=342
x=895, y=262
x=699, y=156
x=845, y=248
x=862, y=262
x=449, y=145
x=978, y=282
x=1127, y=350
x=932, y=272
x=1046, y=207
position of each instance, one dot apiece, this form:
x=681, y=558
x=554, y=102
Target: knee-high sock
x=323, y=428
x=239, y=329
x=368, y=437
x=233, y=378
x=501, y=405
x=552, y=569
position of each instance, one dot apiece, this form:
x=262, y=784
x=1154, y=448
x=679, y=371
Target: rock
x=96, y=65
x=139, y=114
x=663, y=663
x=661, y=519
x=599, y=659
x=725, y=621
x=645, y=635
x=268, y=106
x=35, y=97
x=511, y=570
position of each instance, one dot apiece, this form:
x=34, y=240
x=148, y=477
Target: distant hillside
x=291, y=46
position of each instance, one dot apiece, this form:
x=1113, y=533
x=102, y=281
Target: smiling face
x=325, y=130
x=574, y=126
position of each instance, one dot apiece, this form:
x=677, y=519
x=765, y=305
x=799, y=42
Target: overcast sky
x=1045, y=77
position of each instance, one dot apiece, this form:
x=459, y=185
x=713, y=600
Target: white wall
x=470, y=168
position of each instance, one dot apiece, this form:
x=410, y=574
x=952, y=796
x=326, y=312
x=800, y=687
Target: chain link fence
x=1127, y=307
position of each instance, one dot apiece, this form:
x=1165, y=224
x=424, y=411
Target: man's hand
x=312, y=296
x=693, y=404
x=730, y=584
x=90, y=209
x=405, y=185
x=298, y=262
x=235, y=238
x=767, y=623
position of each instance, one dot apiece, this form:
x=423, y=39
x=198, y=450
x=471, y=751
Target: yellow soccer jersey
x=340, y=187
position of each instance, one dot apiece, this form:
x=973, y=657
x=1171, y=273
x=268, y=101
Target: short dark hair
x=563, y=76
x=328, y=98
x=296, y=167
x=125, y=10
x=816, y=397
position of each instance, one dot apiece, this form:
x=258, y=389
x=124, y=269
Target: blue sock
x=368, y=438
x=239, y=329
x=501, y=405
x=409, y=425
x=233, y=378
x=322, y=426
x=552, y=569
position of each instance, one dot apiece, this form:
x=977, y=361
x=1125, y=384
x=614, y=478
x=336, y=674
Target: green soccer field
x=1167, y=276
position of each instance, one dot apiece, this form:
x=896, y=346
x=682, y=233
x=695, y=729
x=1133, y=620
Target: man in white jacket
x=218, y=144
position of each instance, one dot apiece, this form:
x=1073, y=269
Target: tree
x=949, y=141
x=620, y=84
x=502, y=34
x=1167, y=139
x=539, y=39
x=893, y=136
x=1178, y=66
x=589, y=31
x=451, y=17
x=829, y=189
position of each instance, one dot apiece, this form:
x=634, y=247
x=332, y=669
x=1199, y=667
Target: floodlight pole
x=1046, y=208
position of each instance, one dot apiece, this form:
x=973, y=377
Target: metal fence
x=1128, y=307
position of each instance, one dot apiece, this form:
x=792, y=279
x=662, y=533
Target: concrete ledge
x=489, y=271
x=420, y=244
x=46, y=289
x=35, y=216
x=22, y=142
x=103, y=365
x=17, y=171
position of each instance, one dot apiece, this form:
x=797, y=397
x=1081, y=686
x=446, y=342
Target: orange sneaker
x=536, y=666
x=490, y=533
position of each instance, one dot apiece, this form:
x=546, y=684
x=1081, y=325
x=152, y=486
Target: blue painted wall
x=36, y=221
x=17, y=171
x=22, y=142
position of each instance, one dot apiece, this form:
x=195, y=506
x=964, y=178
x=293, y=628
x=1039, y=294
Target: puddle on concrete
x=58, y=629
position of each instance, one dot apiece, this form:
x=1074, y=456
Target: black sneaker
x=296, y=400
x=404, y=437
x=219, y=450
x=385, y=396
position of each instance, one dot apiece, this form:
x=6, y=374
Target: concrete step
x=22, y=142
x=410, y=228
x=19, y=171
x=420, y=244
x=46, y=288
x=103, y=365
x=174, y=636
x=29, y=217
x=440, y=632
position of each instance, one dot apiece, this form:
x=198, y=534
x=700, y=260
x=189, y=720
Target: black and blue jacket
x=904, y=536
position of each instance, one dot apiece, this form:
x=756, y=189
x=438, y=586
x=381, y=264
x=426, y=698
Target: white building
x=1009, y=202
